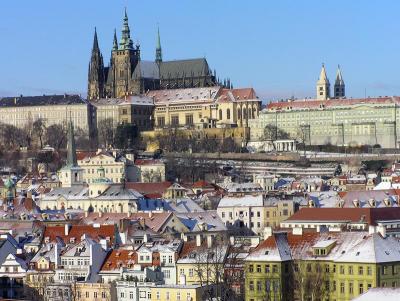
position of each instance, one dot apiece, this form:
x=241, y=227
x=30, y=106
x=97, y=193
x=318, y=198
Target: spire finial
x=95, y=41
x=126, y=42
x=115, y=41
x=158, y=47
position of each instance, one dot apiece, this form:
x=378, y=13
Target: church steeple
x=158, y=48
x=323, y=85
x=96, y=78
x=126, y=42
x=339, y=89
x=71, y=149
x=115, y=41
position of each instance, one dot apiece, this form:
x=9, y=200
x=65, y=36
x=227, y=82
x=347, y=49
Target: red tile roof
x=149, y=188
x=77, y=231
x=155, y=222
x=119, y=258
x=315, y=104
x=80, y=155
x=369, y=215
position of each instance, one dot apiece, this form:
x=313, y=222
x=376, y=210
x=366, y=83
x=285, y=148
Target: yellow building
x=201, y=108
x=330, y=266
x=202, y=261
x=117, y=168
x=179, y=292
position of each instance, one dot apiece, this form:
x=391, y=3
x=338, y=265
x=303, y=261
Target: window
x=369, y=270
x=124, y=111
x=267, y=268
x=223, y=214
x=251, y=285
x=267, y=285
x=178, y=296
x=220, y=114
x=258, y=268
x=360, y=270
x=167, y=295
x=130, y=295
x=189, y=119
x=274, y=268
x=158, y=295
x=95, y=294
x=258, y=213
x=342, y=287
x=350, y=270
x=228, y=114
x=175, y=120
x=259, y=287
x=341, y=269
x=361, y=288
x=251, y=269
x=87, y=294
x=351, y=289
x=190, y=272
x=103, y=295
x=384, y=270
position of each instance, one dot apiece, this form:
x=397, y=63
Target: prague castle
x=127, y=74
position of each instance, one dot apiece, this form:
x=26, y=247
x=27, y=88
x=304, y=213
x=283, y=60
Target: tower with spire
x=323, y=85
x=71, y=174
x=339, y=88
x=96, y=77
x=124, y=59
x=158, y=48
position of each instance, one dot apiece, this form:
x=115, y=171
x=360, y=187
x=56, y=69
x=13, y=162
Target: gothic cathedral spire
x=126, y=42
x=323, y=85
x=339, y=88
x=115, y=41
x=71, y=149
x=96, y=79
x=158, y=48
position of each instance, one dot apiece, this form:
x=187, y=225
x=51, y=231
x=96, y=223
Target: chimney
x=67, y=227
x=232, y=240
x=129, y=214
x=209, y=241
x=267, y=232
x=86, y=213
x=100, y=213
x=198, y=240
x=371, y=229
x=146, y=238
x=150, y=214
x=297, y=231
x=382, y=230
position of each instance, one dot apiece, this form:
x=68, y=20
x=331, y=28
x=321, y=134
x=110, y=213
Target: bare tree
x=272, y=132
x=56, y=136
x=310, y=281
x=106, y=132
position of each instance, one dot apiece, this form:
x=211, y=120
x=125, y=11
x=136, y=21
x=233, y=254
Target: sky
x=276, y=47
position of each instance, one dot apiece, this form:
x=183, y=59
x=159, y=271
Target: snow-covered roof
x=242, y=201
x=380, y=293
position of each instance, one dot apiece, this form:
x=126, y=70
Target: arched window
x=239, y=113
x=220, y=114
x=228, y=114
x=249, y=113
x=254, y=112
x=244, y=113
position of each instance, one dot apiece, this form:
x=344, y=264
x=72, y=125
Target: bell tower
x=339, y=88
x=96, y=78
x=323, y=85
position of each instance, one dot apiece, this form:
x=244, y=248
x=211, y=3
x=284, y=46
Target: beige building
x=137, y=110
x=338, y=120
x=116, y=167
x=254, y=212
x=207, y=107
x=23, y=111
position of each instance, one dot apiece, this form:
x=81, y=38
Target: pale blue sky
x=277, y=47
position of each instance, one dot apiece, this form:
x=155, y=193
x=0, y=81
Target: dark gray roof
x=24, y=101
x=184, y=68
x=146, y=69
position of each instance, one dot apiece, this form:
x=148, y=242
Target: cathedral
x=324, y=86
x=127, y=74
